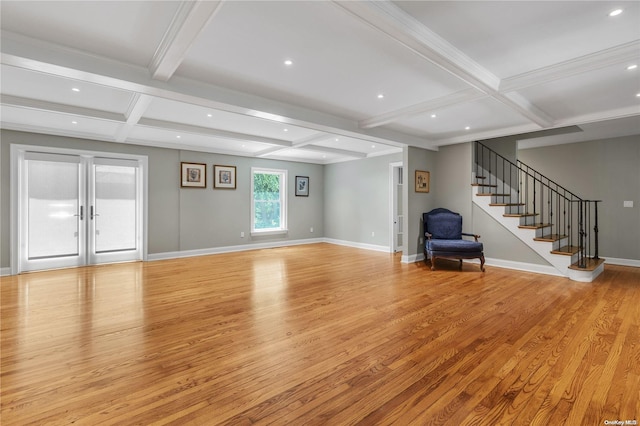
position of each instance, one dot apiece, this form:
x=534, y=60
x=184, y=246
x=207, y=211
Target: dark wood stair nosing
x=520, y=214
x=486, y=185
x=491, y=194
x=506, y=204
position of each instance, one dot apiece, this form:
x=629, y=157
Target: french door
x=78, y=210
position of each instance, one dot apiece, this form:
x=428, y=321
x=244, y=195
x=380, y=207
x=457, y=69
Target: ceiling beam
x=19, y=102
x=296, y=144
x=137, y=107
x=190, y=20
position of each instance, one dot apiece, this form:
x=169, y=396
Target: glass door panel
x=53, y=233
x=114, y=213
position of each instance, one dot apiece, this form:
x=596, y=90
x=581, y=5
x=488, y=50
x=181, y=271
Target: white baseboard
x=353, y=244
x=521, y=266
x=230, y=249
x=621, y=262
x=5, y=272
x=412, y=258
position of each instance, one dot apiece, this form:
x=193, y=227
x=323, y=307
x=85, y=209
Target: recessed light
x=632, y=67
x=380, y=96
x=75, y=89
x=285, y=130
x=467, y=128
x=637, y=95
x=209, y=115
x=433, y=116
x=288, y=62
x=74, y=122
x=337, y=140
x=615, y=12
x=373, y=146
x=178, y=137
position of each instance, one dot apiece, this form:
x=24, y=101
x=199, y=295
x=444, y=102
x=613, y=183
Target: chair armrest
x=471, y=235
x=428, y=235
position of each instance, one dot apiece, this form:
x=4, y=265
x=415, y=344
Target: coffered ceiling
x=319, y=81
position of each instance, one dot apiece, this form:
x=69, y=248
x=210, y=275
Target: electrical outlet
x=627, y=204
x=311, y=229
x=242, y=235
x=373, y=234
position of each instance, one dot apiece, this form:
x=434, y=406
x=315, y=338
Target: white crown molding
x=31, y=128
x=604, y=58
x=190, y=20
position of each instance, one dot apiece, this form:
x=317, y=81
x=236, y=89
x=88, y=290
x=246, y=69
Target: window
x=268, y=201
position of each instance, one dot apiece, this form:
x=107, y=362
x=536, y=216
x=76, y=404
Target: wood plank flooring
x=318, y=334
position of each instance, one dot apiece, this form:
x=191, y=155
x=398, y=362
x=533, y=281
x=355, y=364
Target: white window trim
x=283, y=202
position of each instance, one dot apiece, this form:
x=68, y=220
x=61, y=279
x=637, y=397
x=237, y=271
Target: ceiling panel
x=128, y=31
x=173, y=111
x=57, y=123
x=340, y=65
x=480, y=116
x=513, y=37
x=45, y=87
x=189, y=141
x=600, y=90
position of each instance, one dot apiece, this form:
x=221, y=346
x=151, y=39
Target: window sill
x=257, y=233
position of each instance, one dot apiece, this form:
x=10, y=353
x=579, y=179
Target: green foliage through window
x=267, y=200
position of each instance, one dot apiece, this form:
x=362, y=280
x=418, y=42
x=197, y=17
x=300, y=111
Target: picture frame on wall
x=224, y=177
x=302, y=186
x=193, y=175
x=422, y=181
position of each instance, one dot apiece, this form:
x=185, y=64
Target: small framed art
x=193, y=175
x=302, y=186
x=224, y=177
x=422, y=181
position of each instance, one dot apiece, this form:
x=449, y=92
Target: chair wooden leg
x=433, y=263
x=460, y=266
x=482, y=263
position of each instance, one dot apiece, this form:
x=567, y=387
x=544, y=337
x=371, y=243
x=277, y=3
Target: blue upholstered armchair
x=443, y=232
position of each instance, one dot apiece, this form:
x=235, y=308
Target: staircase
x=551, y=220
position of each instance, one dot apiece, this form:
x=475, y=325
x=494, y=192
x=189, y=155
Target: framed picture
x=224, y=177
x=193, y=175
x=422, y=181
x=302, y=186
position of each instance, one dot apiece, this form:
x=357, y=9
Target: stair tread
x=506, y=204
x=567, y=250
x=535, y=226
x=590, y=265
x=520, y=214
x=491, y=194
x=550, y=238
x=481, y=177
x=488, y=185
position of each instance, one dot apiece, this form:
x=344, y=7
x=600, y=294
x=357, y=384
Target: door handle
x=81, y=215
x=93, y=214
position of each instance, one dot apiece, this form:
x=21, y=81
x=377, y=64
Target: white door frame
x=393, y=208
x=17, y=152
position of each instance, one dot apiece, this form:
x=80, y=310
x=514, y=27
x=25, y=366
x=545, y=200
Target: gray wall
x=607, y=170
x=185, y=218
x=356, y=200
x=416, y=203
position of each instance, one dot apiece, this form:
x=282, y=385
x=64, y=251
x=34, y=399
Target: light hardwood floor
x=318, y=334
